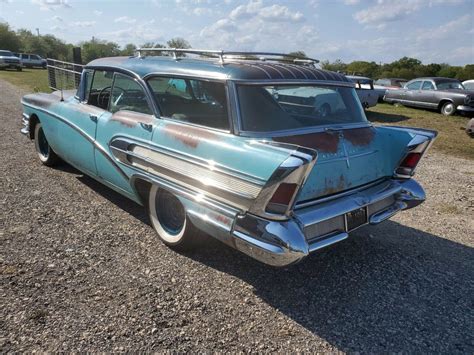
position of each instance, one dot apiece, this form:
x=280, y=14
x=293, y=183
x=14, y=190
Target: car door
x=78, y=144
x=129, y=116
x=25, y=59
x=35, y=61
x=427, y=94
x=412, y=93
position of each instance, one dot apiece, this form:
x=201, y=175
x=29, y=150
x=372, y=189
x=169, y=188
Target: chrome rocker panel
x=281, y=243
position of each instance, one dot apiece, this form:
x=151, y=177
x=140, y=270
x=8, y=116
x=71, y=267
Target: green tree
x=337, y=65
x=363, y=68
x=8, y=38
x=129, y=49
x=178, y=43
x=96, y=48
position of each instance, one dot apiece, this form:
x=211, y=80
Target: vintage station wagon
x=262, y=151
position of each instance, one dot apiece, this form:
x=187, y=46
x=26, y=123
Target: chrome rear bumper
x=280, y=243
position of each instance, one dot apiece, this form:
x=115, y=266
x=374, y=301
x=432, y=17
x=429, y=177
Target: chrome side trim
x=84, y=134
x=222, y=185
x=327, y=241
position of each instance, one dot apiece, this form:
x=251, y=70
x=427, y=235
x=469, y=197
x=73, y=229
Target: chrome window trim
x=144, y=89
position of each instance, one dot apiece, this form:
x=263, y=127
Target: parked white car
x=468, y=84
x=8, y=60
x=368, y=96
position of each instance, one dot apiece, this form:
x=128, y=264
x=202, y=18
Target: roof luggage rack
x=232, y=55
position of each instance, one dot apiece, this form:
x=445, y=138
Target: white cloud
x=58, y=18
x=393, y=10
x=97, y=12
x=454, y=27
x=50, y=5
x=351, y=2
x=200, y=11
x=125, y=19
x=138, y=34
x=83, y=23
x=255, y=8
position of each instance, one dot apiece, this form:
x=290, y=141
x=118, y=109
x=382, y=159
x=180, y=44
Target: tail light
x=276, y=199
x=416, y=148
x=282, y=198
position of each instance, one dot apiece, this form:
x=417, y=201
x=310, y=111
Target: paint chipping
x=327, y=142
x=188, y=135
x=360, y=136
x=130, y=119
x=334, y=186
x=41, y=100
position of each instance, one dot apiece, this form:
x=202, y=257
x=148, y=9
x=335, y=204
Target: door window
x=427, y=85
x=35, y=57
x=414, y=85
x=24, y=56
x=127, y=94
x=101, y=87
x=195, y=101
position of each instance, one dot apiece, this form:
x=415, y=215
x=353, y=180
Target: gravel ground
x=81, y=270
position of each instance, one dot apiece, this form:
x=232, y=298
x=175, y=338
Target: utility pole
x=38, y=31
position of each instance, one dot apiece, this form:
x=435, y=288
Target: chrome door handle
x=93, y=118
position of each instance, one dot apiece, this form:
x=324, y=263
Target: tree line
x=49, y=46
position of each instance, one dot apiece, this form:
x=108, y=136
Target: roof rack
x=232, y=55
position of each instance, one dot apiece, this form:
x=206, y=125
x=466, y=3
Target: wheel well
x=442, y=102
x=33, y=121
x=142, y=187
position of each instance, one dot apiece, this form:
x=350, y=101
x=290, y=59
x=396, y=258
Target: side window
x=128, y=95
x=195, y=101
x=34, y=56
x=24, y=56
x=101, y=87
x=427, y=85
x=414, y=85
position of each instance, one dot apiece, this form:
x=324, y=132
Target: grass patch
x=452, y=139
x=32, y=80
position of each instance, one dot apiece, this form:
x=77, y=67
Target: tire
x=448, y=109
x=45, y=153
x=168, y=218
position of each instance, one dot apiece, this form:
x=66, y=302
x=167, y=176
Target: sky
x=374, y=30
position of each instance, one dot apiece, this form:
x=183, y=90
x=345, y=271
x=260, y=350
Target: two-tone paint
x=225, y=179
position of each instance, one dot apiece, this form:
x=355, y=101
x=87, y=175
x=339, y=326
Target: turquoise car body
x=226, y=178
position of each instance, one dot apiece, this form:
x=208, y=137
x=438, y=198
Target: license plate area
x=356, y=218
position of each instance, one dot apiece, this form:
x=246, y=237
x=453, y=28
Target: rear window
x=285, y=107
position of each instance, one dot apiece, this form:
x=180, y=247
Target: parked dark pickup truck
x=444, y=94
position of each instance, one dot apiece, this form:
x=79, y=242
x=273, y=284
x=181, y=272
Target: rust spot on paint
x=131, y=119
x=41, y=100
x=360, y=136
x=334, y=186
x=321, y=141
x=189, y=135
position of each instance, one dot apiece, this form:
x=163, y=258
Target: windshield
x=449, y=85
x=6, y=54
x=285, y=107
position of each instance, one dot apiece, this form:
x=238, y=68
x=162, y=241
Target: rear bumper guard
x=280, y=243
x=26, y=125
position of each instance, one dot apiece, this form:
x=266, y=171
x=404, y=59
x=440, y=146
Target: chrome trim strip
x=190, y=159
x=327, y=241
x=347, y=156
x=99, y=147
